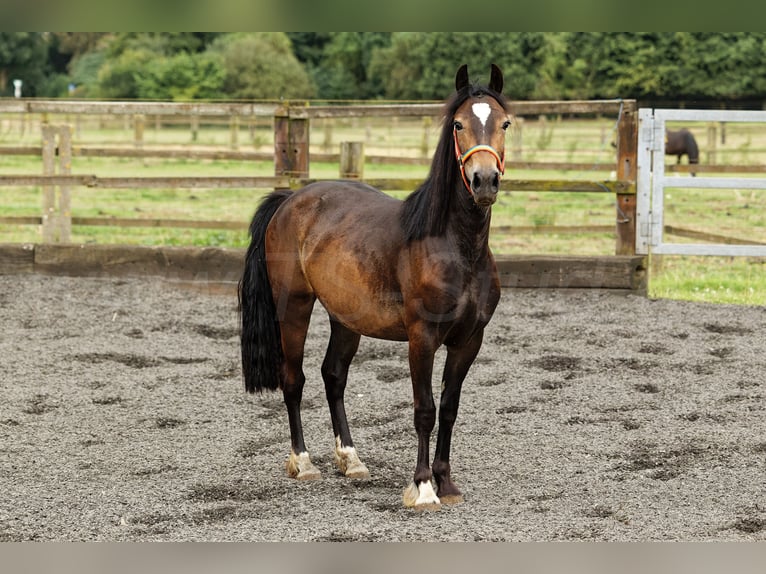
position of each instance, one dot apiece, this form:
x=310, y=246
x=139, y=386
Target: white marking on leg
x=427, y=494
x=348, y=461
x=299, y=466
x=482, y=111
x=421, y=495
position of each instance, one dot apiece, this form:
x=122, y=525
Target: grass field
x=733, y=213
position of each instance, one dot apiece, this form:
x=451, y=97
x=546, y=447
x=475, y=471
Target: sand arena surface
x=587, y=415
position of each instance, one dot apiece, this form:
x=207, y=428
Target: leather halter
x=463, y=157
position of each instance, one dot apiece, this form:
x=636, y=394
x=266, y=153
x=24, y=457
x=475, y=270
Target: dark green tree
x=162, y=43
x=262, y=65
x=726, y=65
x=83, y=73
x=422, y=65
x=666, y=65
x=118, y=78
x=344, y=69
x=23, y=56
x=308, y=47
x=75, y=44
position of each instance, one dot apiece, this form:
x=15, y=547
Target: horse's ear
x=461, y=79
x=496, y=79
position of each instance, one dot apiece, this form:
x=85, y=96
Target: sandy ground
x=587, y=415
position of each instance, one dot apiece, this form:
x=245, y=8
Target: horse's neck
x=469, y=226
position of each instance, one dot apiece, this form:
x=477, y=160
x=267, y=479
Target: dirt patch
x=586, y=416
x=554, y=363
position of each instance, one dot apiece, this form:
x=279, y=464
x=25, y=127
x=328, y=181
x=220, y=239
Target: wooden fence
x=291, y=159
x=291, y=155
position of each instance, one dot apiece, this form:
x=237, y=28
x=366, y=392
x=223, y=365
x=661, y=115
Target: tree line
x=674, y=66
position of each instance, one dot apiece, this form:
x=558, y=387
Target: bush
x=119, y=78
x=262, y=66
x=84, y=73
x=54, y=86
x=182, y=77
x=142, y=74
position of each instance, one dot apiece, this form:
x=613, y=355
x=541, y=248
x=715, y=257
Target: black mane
x=426, y=210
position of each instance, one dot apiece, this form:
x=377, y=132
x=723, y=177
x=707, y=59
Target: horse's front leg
x=459, y=360
x=420, y=493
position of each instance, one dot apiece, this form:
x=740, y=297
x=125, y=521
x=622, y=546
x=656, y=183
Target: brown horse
x=682, y=142
x=418, y=270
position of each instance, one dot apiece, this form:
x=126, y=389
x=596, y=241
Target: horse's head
x=479, y=126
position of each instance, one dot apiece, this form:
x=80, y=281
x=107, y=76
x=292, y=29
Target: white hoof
x=299, y=466
x=348, y=461
x=421, y=496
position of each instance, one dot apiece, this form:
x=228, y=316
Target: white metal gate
x=652, y=181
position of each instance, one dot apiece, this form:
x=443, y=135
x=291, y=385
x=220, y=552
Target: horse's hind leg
x=340, y=351
x=294, y=323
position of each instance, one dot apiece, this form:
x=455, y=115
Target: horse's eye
x=458, y=126
x=506, y=124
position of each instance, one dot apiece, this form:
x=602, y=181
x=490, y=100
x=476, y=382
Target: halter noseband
x=463, y=157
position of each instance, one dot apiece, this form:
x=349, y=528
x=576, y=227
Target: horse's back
x=347, y=214
x=324, y=203
x=681, y=142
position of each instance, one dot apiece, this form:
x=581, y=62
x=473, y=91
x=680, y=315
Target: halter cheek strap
x=463, y=157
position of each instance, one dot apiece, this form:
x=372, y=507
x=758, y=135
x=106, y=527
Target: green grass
x=735, y=213
x=737, y=280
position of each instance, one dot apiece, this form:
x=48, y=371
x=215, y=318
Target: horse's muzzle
x=484, y=186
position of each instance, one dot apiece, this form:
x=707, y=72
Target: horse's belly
x=369, y=314
x=353, y=272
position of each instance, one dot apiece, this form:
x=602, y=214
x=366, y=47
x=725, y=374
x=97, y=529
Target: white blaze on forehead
x=482, y=111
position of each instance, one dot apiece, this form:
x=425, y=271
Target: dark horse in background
x=418, y=270
x=682, y=142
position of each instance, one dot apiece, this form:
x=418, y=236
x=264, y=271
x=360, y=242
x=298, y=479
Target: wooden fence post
x=327, y=143
x=424, y=144
x=49, y=191
x=57, y=207
x=352, y=160
x=234, y=132
x=517, y=139
x=138, y=130
x=251, y=127
x=711, y=143
x=291, y=143
x=627, y=153
x=64, y=214
x=194, y=127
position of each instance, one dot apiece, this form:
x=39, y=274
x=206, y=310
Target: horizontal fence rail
x=216, y=268
x=89, y=107
x=281, y=182
x=297, y=109
x=164, y=153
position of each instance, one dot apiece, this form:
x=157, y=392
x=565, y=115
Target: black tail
x=692, y=151
x=260, y=338
x=691, y=148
